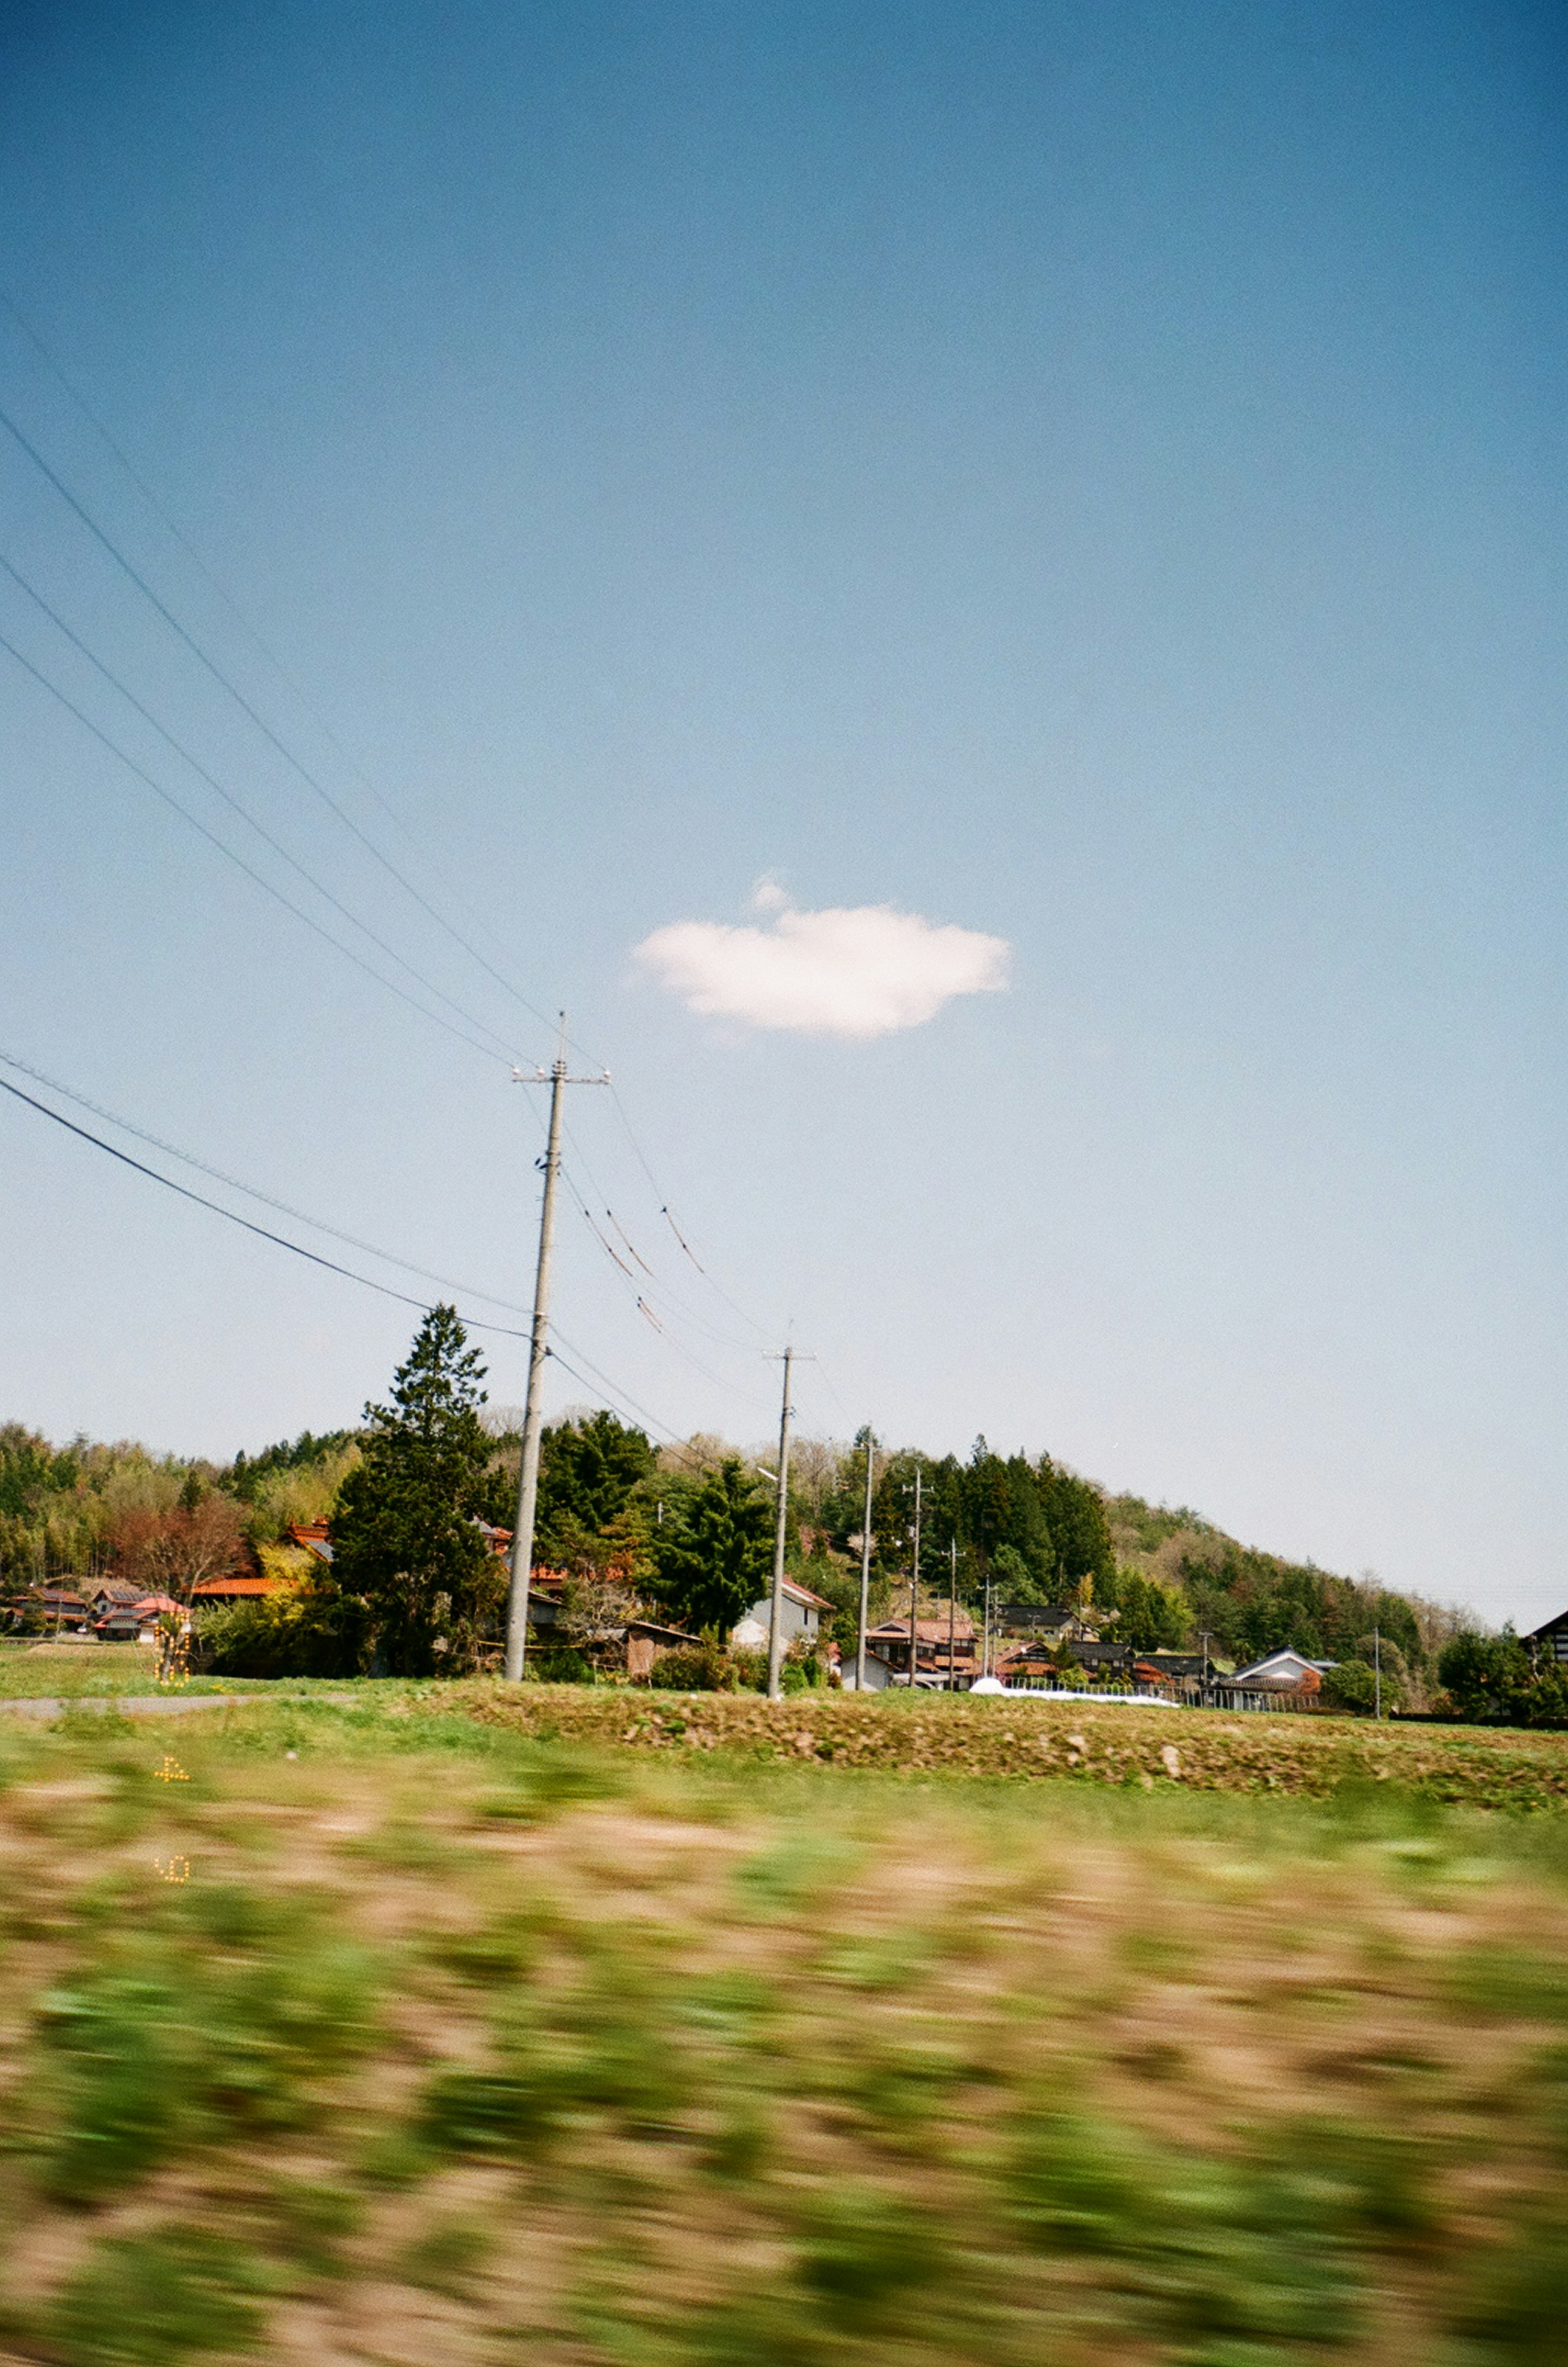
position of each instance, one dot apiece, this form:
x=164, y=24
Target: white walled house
x=1285, y=1668
x=800, y=1614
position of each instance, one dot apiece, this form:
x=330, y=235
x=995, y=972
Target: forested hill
x=1251, y=1601
x=1030, y=1527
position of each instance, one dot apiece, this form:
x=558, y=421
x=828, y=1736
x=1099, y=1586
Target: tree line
x=684, y=1534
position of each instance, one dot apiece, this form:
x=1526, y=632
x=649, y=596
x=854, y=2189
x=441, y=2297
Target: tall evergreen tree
x=714, y=1559
x=588, y=1471
x=1075, y=1511
x=405, y=1534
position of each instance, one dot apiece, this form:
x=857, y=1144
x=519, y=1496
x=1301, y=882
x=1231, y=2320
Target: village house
x=136, y=1621
x=1549, y=1643
x=1282, y=1671
x=1174, y=1673
x=239, y=1586
x=112, y=1594
x=1034, y=1663
x=1052, y=1623
x=63, y=1608
x=800, y=1618
x=937, y=1665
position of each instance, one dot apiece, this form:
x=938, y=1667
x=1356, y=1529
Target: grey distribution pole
x=866, y=1561
x=775, y=1611
x=953, y=1615
x=533, y=1404
x=1377, y=1674
x=914, y=1584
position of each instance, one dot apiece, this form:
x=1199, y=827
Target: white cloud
x=863, y=970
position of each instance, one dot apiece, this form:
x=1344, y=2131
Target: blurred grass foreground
x=370, y=2028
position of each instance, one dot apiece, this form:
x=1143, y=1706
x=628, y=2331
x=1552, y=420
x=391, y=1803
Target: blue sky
x=1090, y=477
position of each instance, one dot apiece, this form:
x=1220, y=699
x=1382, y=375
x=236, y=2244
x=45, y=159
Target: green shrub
x=144, y=2062
x=1512, y=2310
x=1206, y=2251
x=313, y=2215
x=127, y=2103
x=559, y=1664
x=709, y=1667
x=701, y=1668
x=863, y=2250
x=446, y=2257
x=1350, y=1686
x=511, y=2111
x=142, y=2301
x=314, y=1630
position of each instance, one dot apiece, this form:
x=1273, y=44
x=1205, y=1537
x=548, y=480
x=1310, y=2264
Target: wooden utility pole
x=533, y=1404
x=775, y=1611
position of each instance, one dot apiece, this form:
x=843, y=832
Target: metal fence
x=1211, y=1696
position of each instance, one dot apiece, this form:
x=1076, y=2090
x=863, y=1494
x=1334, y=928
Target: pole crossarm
x=557, y=1078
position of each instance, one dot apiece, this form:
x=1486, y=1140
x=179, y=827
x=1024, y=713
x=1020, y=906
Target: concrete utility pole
x=914, y=1582
x=866, y=1561
x=1377, y=1674
x=775, y=1611
x=533, y=1406
x=952, y=1615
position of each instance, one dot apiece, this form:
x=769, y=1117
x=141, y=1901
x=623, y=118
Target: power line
x=227, y=597
x=64, y=489
x=172, y=527
x=251, y=873
x=260, y=1231
x=683, y=1312
x=671, y=1443
x=246, y=816
x=318, y=788
x=648, y=1306
x=80, y=510
x=284, y=1208
x=330, y=1265
x=749, y=1320
x=143, y=488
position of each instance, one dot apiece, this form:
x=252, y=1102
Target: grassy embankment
x=1021, y=1736
x=449, y=2044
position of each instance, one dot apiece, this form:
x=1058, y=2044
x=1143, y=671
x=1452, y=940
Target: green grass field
x=396, y=2031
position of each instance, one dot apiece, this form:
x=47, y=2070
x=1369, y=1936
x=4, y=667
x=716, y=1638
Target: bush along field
x=387, y=2031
